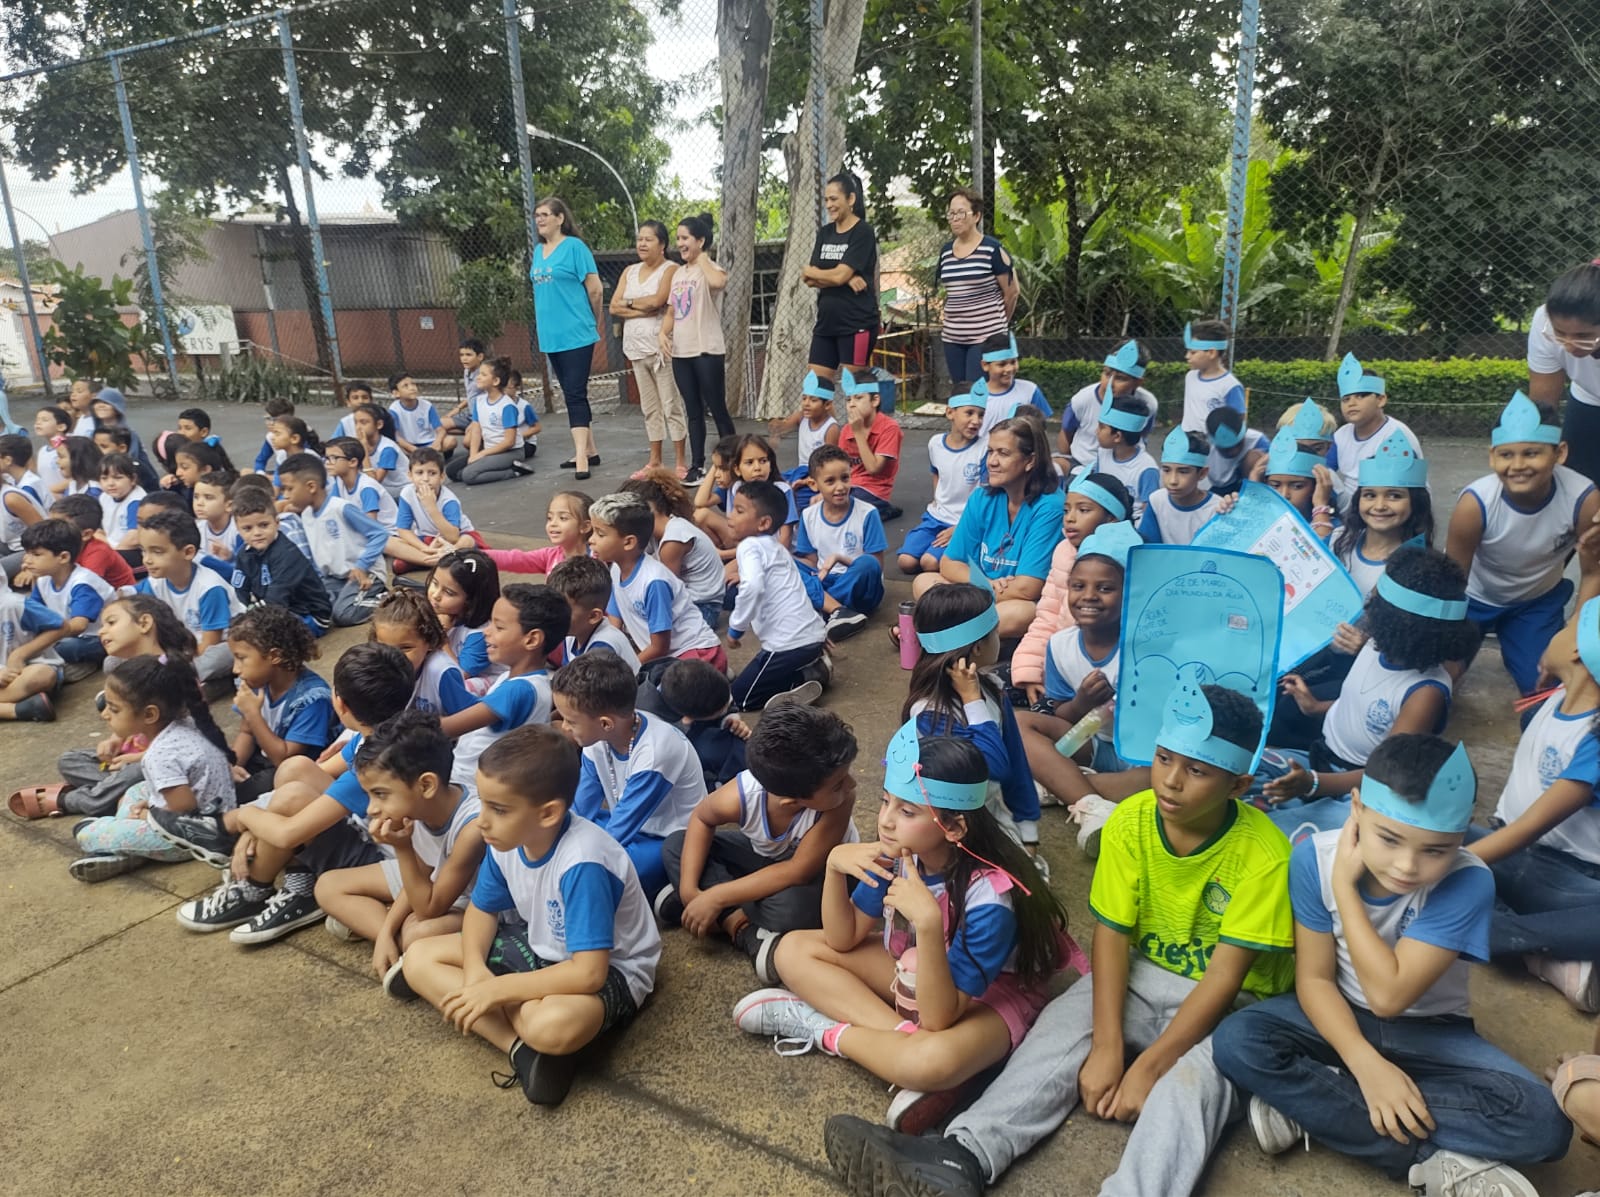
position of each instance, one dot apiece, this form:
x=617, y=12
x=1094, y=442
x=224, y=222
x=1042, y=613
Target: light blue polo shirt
x=1004, y=547
x=560, y=303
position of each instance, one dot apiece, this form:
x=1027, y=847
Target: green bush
x=254, y=380
x=1456, y=397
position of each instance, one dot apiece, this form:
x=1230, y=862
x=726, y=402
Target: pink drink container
x=910, y=650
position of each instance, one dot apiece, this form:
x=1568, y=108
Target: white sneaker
x=795, y=1025
x=337, y=929
x=1578, y=980
x=1046, y=798
x=803, y=695
x=1274, y=1130
x=1090, y=814
x=1450, y=1174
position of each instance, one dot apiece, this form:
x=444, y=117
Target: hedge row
x=1455, y=397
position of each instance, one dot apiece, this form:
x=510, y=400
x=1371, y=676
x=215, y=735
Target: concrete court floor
x=142, y=1059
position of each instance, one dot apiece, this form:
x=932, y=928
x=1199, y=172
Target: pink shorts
x=717, y=656
x=1017, y=1004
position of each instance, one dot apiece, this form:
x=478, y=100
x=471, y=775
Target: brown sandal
x=37, y=802
x=1575, y=1068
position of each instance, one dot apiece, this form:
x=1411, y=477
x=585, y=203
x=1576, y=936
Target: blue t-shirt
x=984, y=940
x=560, y=301
x=346, y=789
x=1004, y=547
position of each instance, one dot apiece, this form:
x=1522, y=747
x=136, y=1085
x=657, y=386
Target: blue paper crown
x=903, y=777
x=968, y=631
x=1589, y=636
x=1285, y=457
x=1125, y=359
x=1353, y=380
x=851, y=386
x=814, y=387
x=1190, y=342
x=1417, y=603
x=1186, y=725
x=1519, y=425
x=1087, y=487
x=973, y=398
x=1114, y=540
x=1003, y=355
x=1310, y=422
x=1395, y=463
x=1128, y=421
x=1175, y=450
x=1226, y=437
x=1447, y=808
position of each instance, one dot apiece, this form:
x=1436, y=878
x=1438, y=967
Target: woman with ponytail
x=691, y=335
x=1564, y=362
x=844, y=270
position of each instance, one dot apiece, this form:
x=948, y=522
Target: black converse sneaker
x=104, y=866
x=284, y=912
x=201, y=836
x=545, y=1080
x=844, y=623
x=231, y=903
x=874, y=1161
x=395, y=984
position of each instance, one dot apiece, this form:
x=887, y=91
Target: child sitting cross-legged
x=271, y=568
x=429, y=824
x=198, y=595
x=934, y=968
x=840, y=547
x=641, y=779
x=428, y=516
x=1374, y=1053
x=586, y=959
x=750, y=863
x=346, y=544
x=30, y=671
x=285, y=708
x=956, y=459
x=72, y=593
x=344, y=456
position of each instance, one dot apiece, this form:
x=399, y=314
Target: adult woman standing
x=844, y=270
x=566, y=304
x=1563, y=353
x=980, y=288
x=691, y=335
x=638, y=301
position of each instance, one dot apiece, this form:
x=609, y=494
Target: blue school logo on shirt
x=638, y=606
x=556, y=919
x=1380, y=718
x=852, y=542
x=972, y=471
x=1549, y=767
x=332, y=526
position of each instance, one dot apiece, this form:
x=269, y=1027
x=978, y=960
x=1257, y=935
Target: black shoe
x=215, y=688
x=572, y=462
x=395, y=983
x=284, y=912
x=523, y=467
x=890, y=513
x=545, y=1080
x=845, y=623
x=201, y=836
x=874, y=1161
x=695, y=475
x=759, y=943
x=668, y=908
x=226, y=906
x=582, y=475
x=529, y=448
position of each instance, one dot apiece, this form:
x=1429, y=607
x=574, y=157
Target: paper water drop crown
x=1226, y=436
x=851, y=385
x=1589, y=636
x=1284, y=457
x=1190, y=341
x=1090, y=489
x=1187, y=725
x=1447, y=808
x=1520, y=425
x=1115, y=540
x=1310, y=422
x=1395, y=463
x=1175, y=451
x=1353, y=380
x=1009, y=353
x=903, y=777
x=1124, y=359
x=973, y=398
x=968, y=631
x=814, y=387
x=1121, y=418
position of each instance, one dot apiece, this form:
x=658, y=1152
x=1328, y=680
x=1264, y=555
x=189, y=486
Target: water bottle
x=910, y=649
x=1081, y=732
x=900, y=938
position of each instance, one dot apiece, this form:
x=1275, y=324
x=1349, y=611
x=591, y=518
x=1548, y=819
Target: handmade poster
x=1318, y=593
x=1194, y=616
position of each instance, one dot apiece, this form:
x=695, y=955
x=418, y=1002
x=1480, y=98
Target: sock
x=300, y=881
x=907, y=1026
x=254, y=890
x=828, y=1041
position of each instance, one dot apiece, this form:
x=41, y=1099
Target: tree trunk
x=744, y=44
x=300, y=238
x=789, y=342
x=1347, y=285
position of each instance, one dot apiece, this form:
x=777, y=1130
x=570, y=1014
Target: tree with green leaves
x=86, y=333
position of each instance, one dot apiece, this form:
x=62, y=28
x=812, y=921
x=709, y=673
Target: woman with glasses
x=1564, y=359
x=844, y=271
x=980, y=288
x=566, y=304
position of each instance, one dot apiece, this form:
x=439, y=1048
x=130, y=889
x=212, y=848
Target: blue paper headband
x=1125, y=359
x=968, y=631
x=1114, y=540
x=1085, y=486
x=1226, y=437
x=1446, y=809
x=1186, y=726
x=1353, y=380
x=1175, y=451
x=1395, y=463
x=903, y=777
x=1519, y=425
x=1425, y=605
x=851, y=386
x=1285, y=457
x=973, y=398
x=1191, y=342
x=1589, y=636
x=1127, y=421
x=1003, y=355
x=814, y=387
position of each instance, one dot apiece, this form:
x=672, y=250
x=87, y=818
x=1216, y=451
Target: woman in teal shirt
x=566, y=305
x=1009, y=527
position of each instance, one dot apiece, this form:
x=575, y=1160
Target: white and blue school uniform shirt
x=607, y=638
x=267, y=455
x=416, y=425
x=811, y=439
x=956, y=474
x=10, y=525
x=345, y=427
x=434, y=845
x=1202, y=396
x=1363, y=570
x=757, y=826
x=1081, y=420
x=648, y=792
x=652, y=599
x=49, y=474
x=471, y=648
x=304, y=715
x=1453, y=914
x=207, y=604
x=1066, y=664
x=1169, y=522
x=118, y=516
x=342, y=537
x=1004, y=404
x=1222, y=471
x=440, y=687
x=1348, y=451
x=1141, y=474
x=1523, y=552
x=703, y=575
x=346, y=790
x=1557, y=747
x=370, y=496
x=1369, y=702
x=772, y=598
x=389, y=456
x=858, y=534
x=991, y=724
x=82, y=596
x=988, y=537
x=411, y=515
x=496, y=417
x=515, y=699
x=21, y=619
x=581, y=896
x=84, y=426
x=92, y=489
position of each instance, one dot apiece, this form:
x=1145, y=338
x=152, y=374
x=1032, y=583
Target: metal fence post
x=519, y=118
x=22, y=277
x=818, y=100
x=977, y=97
x=291, y=77
x=151, y=263
x=1239, y=170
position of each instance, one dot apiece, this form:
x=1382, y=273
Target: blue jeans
x=1546, y=902
x=964, y=362
x=859, y=587
x=75, y=650
x=571, y=368
x=1483, y=1102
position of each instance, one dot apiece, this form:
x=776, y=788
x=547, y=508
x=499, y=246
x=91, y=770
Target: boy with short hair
x=416, y=420
x=773, y=601
x=356, y=395
x=276, y=408
x=270, y=568
x=1120, y=435
x=346, y=545
x=956, y=461
x=1374, y=1053
x=195, y=425
x=586, y=959
x=200, y=597
x=751, y=861
x=1004, y=392
x=1192, y=903
x=428, y=511
x=641, y=779
x=1362, y=399
x=586, y=585
x=1173, y=514
x=344, y=457
x=120, y=496
x=1209, y=384
x=697, y=697
x=30, y=668
x=840, y=547
x=1124, y=366
x=21, y=499
x=219, y=538
x=84, y=513
x=50, y=424
x=1235, y=450
x=871, y=440
x=75, y=594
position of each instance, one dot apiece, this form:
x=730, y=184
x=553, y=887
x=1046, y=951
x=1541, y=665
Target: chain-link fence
x=1403, y=180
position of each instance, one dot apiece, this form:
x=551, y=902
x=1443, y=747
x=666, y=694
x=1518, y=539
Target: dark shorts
x=510, y=953
x=852, y=349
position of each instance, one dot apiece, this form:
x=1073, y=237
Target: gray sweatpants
x=94, y=792
x=494, y=468
x=353, y=606
x=213, y=662
x=1183, y=1118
